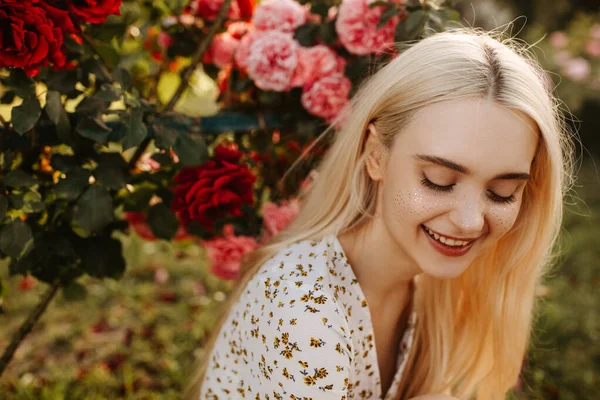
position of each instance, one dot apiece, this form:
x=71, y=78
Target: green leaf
x=91, y=106
x=164, y=138
x=138, y=199
x=124, y=78
x=63, y=127
x=191, y=151
x=136, y=130
x=386, y=15
x=33, y=202
x=74, y=292
x=26, y=115
x=108, y=93
x=163, y=223
x=62, y=81
x=111, y=170
x=95, y=66
x=94, y=129
x=102, y=257
x=23, y=85
x=306, y=34
x=328, y=33
x=321, y=9
x=93, y=211
x=107, y=53
x=410, y=27
x=3, y=207
x=18, y=178
x=16, y=239
x=8, y=97
x=54, y=106
x=71, y=187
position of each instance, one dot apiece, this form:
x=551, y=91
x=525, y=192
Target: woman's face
x=458, y=170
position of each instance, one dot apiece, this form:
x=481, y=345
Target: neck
x=382, y=268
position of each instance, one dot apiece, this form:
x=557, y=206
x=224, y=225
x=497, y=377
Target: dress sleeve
x=304, y=350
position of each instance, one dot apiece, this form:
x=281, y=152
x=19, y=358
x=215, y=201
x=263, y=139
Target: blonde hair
x=472, y=331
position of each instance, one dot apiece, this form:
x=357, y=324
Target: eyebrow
x=444, y=162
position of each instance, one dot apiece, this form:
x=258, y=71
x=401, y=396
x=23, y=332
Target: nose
x=469, y=216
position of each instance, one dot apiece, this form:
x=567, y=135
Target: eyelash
x=493, y=196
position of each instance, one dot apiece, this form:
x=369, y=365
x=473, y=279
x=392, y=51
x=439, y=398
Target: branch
x=27, y=325
x=187, y=74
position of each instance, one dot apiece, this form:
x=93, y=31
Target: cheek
x=415, y=203
x=504, y=218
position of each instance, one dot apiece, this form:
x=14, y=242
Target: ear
x=374, y=154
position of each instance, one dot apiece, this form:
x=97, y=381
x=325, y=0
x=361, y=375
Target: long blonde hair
x=472, y=331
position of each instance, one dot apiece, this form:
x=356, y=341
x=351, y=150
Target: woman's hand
x=434, y=397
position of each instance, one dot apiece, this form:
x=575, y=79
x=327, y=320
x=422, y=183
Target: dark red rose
x=213, y=190
x=32, y=35
x=228, y=154
x=94, y=11
x=209, y=9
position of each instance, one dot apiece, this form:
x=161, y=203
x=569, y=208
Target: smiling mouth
x=447, y=241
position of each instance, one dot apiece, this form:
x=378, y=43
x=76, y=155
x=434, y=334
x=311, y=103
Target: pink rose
x=276, y=218
x=222, y=48
x=559, y=39
x=592, y=47
x=356, y=26
x=316, y=62
x=282, y=15
x=243, y=50
x=595, y=31
x=272, y=61
x=225, y=254
x=577, y=69
x=327, y=96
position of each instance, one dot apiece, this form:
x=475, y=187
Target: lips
x=450, y=251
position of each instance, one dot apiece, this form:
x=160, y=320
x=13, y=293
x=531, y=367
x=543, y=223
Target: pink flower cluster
x=578, y=69
x=275, y=61
x=225, y=253
x=277, y=217
x=356, y=26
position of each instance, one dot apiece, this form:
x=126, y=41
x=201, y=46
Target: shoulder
x=293, y=291
x=296, y=331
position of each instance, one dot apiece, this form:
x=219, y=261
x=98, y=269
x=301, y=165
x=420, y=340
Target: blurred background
x=137, y=337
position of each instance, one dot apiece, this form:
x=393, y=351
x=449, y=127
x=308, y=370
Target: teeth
x=447, y=242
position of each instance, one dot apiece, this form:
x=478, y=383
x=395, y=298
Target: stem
x=187, y=74
x=27, y=325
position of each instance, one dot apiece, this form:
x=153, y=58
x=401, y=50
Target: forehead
x=477, y=133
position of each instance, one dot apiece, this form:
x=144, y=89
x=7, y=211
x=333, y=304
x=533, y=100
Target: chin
x=439, y=272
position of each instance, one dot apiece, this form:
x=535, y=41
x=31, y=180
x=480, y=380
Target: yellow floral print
x=301, y=330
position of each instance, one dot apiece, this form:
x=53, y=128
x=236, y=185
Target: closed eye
x=445, y=189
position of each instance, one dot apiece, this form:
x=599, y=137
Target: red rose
x=213, y=190
x=94, y=11
x=32, y=35
x=208, y=9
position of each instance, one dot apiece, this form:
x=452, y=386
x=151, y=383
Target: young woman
x=412, y=266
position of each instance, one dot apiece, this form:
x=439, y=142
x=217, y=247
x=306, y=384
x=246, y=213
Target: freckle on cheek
x=505, y=217
x=414, y=203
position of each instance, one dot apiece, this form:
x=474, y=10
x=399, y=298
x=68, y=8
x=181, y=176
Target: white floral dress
x=301, y=330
